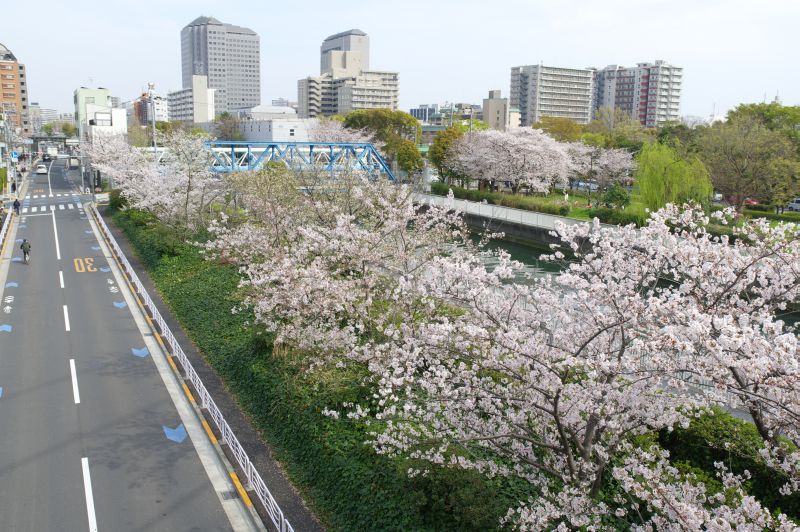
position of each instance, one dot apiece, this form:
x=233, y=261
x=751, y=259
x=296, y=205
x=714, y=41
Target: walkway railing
x=4, y=231
x=228, y=437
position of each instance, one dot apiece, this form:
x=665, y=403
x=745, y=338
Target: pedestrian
x=16, y=206
x=14, y=187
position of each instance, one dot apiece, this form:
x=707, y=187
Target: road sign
x=14, y=155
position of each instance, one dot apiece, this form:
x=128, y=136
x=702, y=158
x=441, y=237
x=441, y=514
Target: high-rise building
x=83, y=97
x=230, y=58
x=14, y=91
x=649, y=92
x=194, y=105
x=344, y=54
x=345, y=82
x=143, y=109
x=538, y=90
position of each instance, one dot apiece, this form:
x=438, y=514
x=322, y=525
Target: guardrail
x=228, y=437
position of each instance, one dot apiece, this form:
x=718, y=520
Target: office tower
x=345, y=82
x=230, y=58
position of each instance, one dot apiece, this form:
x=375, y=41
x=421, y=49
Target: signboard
x=14, y=154
x=101, y=198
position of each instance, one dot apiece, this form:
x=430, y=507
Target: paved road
x=83, y=404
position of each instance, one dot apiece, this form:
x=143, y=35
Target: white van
x=794, y=205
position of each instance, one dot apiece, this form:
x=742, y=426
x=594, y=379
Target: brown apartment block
x=14, y=91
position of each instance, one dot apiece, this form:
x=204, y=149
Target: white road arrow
x=7, y=309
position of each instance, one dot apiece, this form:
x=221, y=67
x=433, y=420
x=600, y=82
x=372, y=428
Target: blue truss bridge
x=234, y=156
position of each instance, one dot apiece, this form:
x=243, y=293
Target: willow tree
x=665, y=177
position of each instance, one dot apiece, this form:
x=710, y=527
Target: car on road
x=46, y=157
x=794, y=205
x=41, y=169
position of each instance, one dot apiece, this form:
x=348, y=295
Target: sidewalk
x=289, y=500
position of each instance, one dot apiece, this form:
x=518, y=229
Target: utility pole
x=150, y=90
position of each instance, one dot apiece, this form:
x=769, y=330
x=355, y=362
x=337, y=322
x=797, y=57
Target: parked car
x=794, y=205
x=41, y=169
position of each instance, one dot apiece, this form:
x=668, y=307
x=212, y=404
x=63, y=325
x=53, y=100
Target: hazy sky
x=731, y=51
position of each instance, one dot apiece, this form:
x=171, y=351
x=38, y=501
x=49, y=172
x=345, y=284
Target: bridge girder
x=233, y=156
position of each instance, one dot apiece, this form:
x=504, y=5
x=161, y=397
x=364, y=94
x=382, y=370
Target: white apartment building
x=345, y=82
x=83, y=97
x=649, y=92
x=538, y=90
x=230, y=56
x=194, y=105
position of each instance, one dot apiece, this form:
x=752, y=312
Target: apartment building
x=649, y=92
x=193, y=105
x=538, y=90
x=228, y=56
x=14, y=92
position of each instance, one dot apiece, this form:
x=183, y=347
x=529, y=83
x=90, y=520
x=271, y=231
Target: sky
x=731, y=51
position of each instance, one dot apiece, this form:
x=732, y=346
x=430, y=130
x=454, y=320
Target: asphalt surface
x=61, y=343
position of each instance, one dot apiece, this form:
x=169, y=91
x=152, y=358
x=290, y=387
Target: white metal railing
x=4, y=230
x=228, y=437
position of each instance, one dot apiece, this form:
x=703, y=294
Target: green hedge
x=787, y=216
x=693, y=446
x=345, y=483
x=617, y=217
x=528, y=203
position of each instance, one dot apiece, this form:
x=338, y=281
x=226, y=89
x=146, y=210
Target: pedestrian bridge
x=233, y=156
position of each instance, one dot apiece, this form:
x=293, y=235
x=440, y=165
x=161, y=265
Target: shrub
x=720, y=437
x=618, y=217
x=116, y=200
x=761, y=208
x=616, y=197
x=785, y=217
x=528, y=203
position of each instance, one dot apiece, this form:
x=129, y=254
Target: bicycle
x=26, y=256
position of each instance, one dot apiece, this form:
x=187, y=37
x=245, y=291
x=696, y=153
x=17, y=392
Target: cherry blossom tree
x=330, y=130
x=178, y=190
x=524, y=157
x=554, y=381
x=605, y=166
x=318, y=255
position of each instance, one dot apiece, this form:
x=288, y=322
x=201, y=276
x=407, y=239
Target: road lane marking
x=188, y=392
x=61, y=278
x=242, y=493
x=70, y=205
x=66, y=318
x=24, y=210
x=48, y=178
x=87, y=488
x=75, y=393
x=55, y=232
x=60, y=206
x=52, y=207
x=209, y=432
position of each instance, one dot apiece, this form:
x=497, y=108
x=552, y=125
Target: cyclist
x=16, y=206
x=26, y=250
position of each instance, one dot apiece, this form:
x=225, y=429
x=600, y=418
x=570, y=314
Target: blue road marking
x=96, y=248
x=141, y=353
x=12, y=284
x=16, y=259
x=1, y=391
x=178, y=434
x=21, y=226
x=5, y=328
x=105, y=269
x=18, y=241
x=88, y=231
x=120, y=304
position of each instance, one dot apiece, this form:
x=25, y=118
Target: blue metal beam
x=297, y=155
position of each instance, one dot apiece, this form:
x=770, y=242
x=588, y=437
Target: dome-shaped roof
x=5, y=54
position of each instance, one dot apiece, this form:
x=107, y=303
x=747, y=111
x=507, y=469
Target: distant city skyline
x=731, y=52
